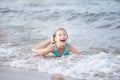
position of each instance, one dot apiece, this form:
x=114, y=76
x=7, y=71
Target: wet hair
x=56, y=32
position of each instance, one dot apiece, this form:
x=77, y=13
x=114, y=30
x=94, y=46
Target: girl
x=58, y=46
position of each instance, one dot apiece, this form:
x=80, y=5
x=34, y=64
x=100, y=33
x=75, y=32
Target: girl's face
x=61, y=37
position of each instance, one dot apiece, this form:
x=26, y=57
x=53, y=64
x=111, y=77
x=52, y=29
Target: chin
x=63, y=43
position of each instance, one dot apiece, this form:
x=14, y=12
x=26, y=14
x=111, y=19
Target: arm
x=41, y=46
x=73, y=50
x=44, y=51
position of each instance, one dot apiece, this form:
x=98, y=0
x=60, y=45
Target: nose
x=63, y=36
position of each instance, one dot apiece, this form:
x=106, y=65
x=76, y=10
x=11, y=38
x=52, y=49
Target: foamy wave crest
x=95, y=67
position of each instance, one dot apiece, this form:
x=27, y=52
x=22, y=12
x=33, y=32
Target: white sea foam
x=100, y=66
x=96, y=66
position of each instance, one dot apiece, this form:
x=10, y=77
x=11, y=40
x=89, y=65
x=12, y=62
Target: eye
x=59, y=34
x=64, y=35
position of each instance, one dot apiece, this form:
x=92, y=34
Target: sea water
x=93, y=28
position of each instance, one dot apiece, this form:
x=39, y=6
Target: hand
x=52, y=41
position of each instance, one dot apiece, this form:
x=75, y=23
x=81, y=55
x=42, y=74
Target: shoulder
x=70, y=47
x=73, y=50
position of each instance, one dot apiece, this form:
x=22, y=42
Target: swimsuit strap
x=66, y=50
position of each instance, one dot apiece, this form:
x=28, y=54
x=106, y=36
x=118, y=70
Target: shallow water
x=93, y=28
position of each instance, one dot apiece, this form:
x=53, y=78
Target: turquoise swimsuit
x=56, y=53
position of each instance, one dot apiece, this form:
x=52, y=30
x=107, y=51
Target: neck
x=60, y=46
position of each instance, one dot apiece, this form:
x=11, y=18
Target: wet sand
x=8, y=73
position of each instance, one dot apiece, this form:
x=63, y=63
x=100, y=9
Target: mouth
x=62, y=40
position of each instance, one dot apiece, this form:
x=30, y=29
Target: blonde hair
x=56, y=32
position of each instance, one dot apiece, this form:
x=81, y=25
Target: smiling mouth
x=62, y=40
